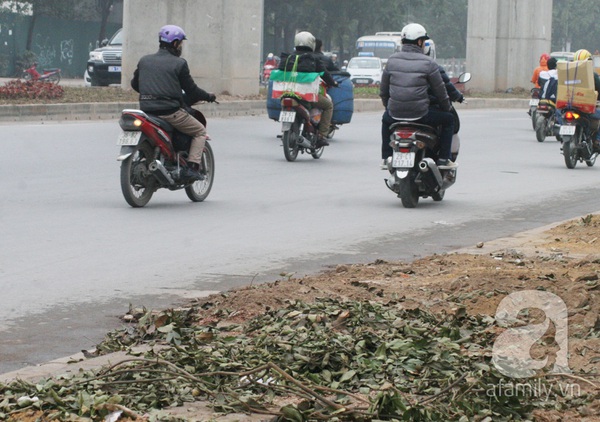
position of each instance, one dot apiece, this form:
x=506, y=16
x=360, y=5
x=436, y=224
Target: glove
x=212, y=98
x=461, y=99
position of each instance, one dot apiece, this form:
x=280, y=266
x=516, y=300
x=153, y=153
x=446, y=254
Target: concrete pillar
x=505, y=39
x=224, y=40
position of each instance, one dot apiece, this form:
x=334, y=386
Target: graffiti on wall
x=44, y=50
x=66, y=51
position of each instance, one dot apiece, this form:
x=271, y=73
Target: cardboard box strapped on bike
x=576, y=86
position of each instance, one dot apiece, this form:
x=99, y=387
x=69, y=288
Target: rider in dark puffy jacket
x=160, y=79
x=405, y=82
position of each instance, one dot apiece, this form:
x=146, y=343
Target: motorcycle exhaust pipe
x=304, y=142
x=160, y=172
x=426, y=165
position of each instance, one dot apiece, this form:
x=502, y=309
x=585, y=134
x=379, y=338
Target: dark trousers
x=433, y=118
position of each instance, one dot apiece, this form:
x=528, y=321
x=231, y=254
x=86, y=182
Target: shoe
x=446, y=164
x=321, y=142
x=384, y=165
x=190, y=175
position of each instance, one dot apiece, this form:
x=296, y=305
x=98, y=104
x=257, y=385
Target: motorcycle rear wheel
x=137, y=184
x=533, y=116
x=540, y=128
x=290, y=142
x=199, y=190
x=570, y=152
x=55, y=78
x=409, y=193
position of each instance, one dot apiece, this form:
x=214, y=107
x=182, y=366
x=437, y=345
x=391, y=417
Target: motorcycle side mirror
x=464, y=77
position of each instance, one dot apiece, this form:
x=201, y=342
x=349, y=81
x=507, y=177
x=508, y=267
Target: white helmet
x=305, y=39
x=414, y=31
x=429, y=48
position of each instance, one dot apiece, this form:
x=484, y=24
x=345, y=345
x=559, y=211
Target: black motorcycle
x=545, y=121
x=578, y=132
x=533, y=103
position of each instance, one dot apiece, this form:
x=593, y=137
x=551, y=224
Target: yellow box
x=583, y=99
x=578, y=74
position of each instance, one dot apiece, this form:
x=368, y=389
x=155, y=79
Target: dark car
x=104, y=64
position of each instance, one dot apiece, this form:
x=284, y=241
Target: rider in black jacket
x=160, y=79
x=309, y=61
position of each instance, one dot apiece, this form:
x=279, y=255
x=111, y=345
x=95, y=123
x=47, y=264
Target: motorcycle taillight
x=404, y=134
x=287, y=102
x=571, y=115
x=130, y=122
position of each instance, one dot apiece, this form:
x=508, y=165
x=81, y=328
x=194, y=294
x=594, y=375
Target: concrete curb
x=107, y=111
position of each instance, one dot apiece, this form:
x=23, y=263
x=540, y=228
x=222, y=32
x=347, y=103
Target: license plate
x=534, y=102
x=114, y=68
x=567, y=130
x=129, y=138
x=403, y=159
x=287, y=116
x=362, y=81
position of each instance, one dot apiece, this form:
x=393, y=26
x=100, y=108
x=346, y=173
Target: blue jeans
x=433, y=118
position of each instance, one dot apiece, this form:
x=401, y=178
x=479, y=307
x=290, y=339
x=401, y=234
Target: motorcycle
x=299, y=128
x=47, y=75
x=545, y=121
x=413, y=169
x=533, y=103
x=153, y=155
x=577, y=132
x=266, y=73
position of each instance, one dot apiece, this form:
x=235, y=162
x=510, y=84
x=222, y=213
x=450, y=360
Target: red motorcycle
x=47, y=75
x=153, y=156
x=266, y=73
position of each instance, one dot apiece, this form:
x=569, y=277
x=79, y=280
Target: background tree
x=575, y=25
x=339, y=23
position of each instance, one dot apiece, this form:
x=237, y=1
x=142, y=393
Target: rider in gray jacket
x=404, y=91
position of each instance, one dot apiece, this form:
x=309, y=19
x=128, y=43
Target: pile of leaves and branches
x=30, y=90
x=328, y=360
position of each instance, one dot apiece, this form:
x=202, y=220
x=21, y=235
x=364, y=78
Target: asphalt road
x=74, y=255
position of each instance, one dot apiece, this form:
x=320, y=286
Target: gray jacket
x=407, y=76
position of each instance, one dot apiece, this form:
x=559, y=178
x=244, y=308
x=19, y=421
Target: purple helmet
x=170, y=33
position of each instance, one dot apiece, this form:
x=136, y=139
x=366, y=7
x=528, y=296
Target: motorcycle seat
x=419, y=126
x=161, y=123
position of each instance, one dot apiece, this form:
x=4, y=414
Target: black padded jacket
x=161, y=79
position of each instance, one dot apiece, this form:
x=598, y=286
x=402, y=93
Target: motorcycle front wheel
x=137, y=184
x=540, y=128
x=317, y=152
x=290, y=142
x=409, y=193
x=438, y=196
x=199, y=190
x=570, y=152
x=26, y=76
x=592, y=160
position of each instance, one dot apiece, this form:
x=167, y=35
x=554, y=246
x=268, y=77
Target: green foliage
x=24, y=61
x=575, y=22
x=339, y=360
